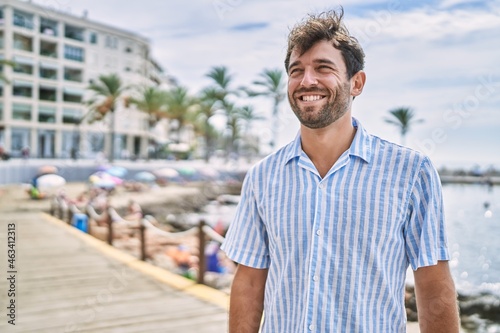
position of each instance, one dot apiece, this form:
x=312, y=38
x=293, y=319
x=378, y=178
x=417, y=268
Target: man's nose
x=309, y=78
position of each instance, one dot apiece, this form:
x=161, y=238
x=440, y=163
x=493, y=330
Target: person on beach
x=328, y=225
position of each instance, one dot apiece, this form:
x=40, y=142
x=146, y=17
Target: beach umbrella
x=117, y=171
x=47, y=169
x=208, y=173
x=145, y=177
x=50, y=181
x=166, y=173
x=102, y=177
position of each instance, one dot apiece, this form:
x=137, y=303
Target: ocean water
x=473, y=226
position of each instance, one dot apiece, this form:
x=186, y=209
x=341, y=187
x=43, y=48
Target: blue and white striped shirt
x=337, y=248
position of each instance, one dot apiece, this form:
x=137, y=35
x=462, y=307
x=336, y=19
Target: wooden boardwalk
x=67, y=281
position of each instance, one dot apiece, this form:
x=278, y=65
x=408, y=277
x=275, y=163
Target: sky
x=439, y=57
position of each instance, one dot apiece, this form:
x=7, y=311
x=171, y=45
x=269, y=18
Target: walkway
x=67, y=281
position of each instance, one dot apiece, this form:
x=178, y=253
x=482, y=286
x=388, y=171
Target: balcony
x=23, y=43
x=48, y=27
x=23, y=65
x=48, y=49
x=74, y=53
x=21, y=112
x=22, y=89
x=74, y=33
x=48, y=71
x=23, y=20
x=72, y=95
x=46, y=114
x=73, y=74
x=47, y=94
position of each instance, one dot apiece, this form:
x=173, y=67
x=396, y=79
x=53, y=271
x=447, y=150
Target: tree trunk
x=112, y=132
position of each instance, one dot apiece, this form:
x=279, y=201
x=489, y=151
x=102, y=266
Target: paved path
x=67, y=281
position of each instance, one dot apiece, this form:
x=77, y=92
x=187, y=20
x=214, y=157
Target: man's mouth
x=311, y=98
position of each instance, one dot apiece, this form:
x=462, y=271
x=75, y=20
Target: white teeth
x=310, y=98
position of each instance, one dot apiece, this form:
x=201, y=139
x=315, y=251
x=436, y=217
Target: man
x=328, y=225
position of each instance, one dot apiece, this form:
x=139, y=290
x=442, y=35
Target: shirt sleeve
x=246, y=240
x=424, y=233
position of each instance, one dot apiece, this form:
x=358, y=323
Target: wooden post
x=201, y=250
x=69, y=214
x=52, y=208
x=110, y=226
x=142, y=230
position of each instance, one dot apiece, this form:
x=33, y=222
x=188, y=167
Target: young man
x=328, y=225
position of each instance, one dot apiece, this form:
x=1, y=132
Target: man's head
x=324, y=66
x=327, y=26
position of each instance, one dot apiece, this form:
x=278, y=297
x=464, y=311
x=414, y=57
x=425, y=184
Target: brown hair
x=330, y=27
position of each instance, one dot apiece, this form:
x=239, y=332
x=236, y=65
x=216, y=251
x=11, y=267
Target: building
x=56, y=56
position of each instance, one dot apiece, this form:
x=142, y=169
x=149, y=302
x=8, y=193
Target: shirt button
x=315, y=278
x=321, y=185
x=319, y=232
x=311, y=327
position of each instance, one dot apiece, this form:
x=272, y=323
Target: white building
x=57, y=55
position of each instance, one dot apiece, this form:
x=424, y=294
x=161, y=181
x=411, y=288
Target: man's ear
x=357, y=83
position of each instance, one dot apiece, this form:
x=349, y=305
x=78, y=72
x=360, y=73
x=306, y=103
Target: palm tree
x=179, y=106
x=153, y=102
x=108, y=92
x=221, y=91
x=273, y=82
x=247, y=116
x=403, y=118
x=206, y=108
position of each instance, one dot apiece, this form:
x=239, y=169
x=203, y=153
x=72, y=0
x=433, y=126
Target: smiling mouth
x=311, y=98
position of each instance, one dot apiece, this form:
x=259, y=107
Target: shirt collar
x=360, y=146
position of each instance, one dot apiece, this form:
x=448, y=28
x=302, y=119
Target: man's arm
x=247, y=299
x=436, y=299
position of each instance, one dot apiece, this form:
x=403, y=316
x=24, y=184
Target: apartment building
x=56, y=56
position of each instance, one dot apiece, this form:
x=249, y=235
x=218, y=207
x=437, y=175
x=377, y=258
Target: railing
x=60, y=208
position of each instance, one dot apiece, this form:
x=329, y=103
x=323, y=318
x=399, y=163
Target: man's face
x=318, y=89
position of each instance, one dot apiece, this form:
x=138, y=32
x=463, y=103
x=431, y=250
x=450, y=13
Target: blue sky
x=440, y=57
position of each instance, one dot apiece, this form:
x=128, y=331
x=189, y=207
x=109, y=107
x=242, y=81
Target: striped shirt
x=338, y=247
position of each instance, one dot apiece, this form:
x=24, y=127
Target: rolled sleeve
x=246, y=240
x=424, y=232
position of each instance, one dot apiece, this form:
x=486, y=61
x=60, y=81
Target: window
x=73, y=32
x=72, y=95
x=71, y=116
x=20, y=139
x=23, y=20
x=48, y=49
x=93, y=37
x=21, y=111
x=74, y=53
x=22, y=89
x=46, y=114
x=73, y=74
x=111, y=42
x=48, y=27
x=1, y=118
x=1, y=39
x=23, y=43
x=23, y=65
x=1, y=22
x=47, y=93
x=48, y=71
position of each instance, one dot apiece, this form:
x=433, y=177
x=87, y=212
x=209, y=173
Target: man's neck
x=324, y=146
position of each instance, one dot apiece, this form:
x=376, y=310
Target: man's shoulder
x=272, y=162
x=386, y=147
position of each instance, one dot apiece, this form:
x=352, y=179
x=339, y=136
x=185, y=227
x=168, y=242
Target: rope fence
x=109, y=217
